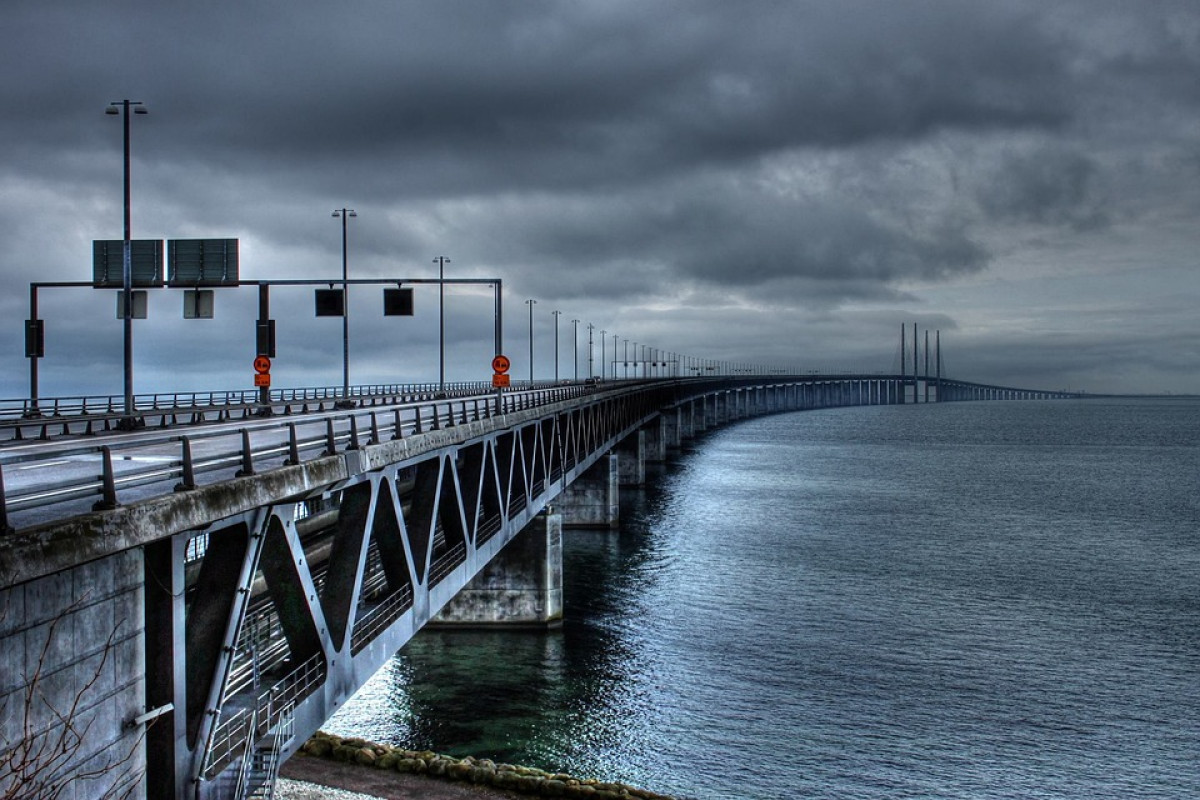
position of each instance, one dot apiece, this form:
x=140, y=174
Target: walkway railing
x=164, y=459
x=99, y=405
x=68, y=470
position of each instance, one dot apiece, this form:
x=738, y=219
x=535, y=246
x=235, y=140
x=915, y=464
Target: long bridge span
x=183, y=604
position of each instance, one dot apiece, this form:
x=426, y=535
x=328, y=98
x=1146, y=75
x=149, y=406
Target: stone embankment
x=481, y=772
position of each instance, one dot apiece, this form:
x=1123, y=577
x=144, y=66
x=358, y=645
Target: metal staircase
x=260, y=765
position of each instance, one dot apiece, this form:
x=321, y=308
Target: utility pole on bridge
x=125, y=107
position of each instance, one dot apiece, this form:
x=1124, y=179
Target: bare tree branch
x=46, y=762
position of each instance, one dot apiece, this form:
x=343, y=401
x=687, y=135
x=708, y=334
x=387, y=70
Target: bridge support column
x=672, y=428
x=521, y=586
x=73, y=642
x=712, y=414
x=593, y=499
x=632, y=455
x=699, y=415
x=656, y=439
x=167, y=753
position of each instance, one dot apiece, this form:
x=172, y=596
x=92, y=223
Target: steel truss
x=278, y=615
x=259, y=626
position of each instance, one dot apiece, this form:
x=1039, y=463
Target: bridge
x=184, y=603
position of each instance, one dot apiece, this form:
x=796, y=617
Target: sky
x=772, y=184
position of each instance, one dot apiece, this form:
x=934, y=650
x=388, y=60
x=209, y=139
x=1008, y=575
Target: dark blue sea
x=974, y=600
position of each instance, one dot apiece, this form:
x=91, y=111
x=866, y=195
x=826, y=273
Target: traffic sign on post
x=262, y=380
x=500, y=381
x=500, y=365
x=262, y=365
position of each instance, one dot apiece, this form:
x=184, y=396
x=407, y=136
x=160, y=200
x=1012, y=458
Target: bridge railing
x=159, y=460
x=79, y=405
x=168, y=459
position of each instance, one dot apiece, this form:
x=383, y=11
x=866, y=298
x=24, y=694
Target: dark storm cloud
x=451, y=97
x=726, y=236
x=1052, y=186
x=616, y=158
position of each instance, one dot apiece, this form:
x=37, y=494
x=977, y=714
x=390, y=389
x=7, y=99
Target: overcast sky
x=777, y=183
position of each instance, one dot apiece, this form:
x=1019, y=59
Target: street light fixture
x=345, y=214
x=531, y=303
x=575, y=345
x=124, y=107
x=556, y=314
x=603, y=353
x=441, y=261
x=591, y=368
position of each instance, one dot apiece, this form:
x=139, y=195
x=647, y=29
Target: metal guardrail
x=446, y=563
x=154, y=403
x=267, y=710
x=235, y=451
x=376, y=618
x=268, y=442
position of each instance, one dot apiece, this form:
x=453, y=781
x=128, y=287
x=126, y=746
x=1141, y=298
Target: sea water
x=968, y=600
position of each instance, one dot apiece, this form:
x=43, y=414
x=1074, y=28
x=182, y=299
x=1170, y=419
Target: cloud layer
x=780, y=183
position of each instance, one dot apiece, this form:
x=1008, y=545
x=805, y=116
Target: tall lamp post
x=575, y=345
x=591, y=369
x=531, y=303
x=603, y=353
x=441, y=261
x=123, y=107
x=556, y=314
x=345, y=214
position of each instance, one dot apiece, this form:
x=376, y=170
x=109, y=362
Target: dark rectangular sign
x=397, y=302
x=108, y=263
x=330, y=303
x=35, y=338
x=202, y=262
x=264, y=337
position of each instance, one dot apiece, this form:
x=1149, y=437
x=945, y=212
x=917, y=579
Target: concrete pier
x=593, y=499
x=672, y=428
x=632, y=454
x=522, y=586
x=656, y=440
x=72, y=660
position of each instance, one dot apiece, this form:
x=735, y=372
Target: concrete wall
x=656, y=439
x=593, y=499
x=72, y=671
x=632, y=454
x=522, y=585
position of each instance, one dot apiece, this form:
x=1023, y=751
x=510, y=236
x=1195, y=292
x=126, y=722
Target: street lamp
x=625, y=359
x=345, y=214
x=591, y=368
x=603, y=354
x=124, y=107
x=441, y=261
x=531, y=303
x=614, y=361
x=556, y=314
x=575, y=345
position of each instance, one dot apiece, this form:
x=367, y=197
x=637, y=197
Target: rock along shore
x=482, y=771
